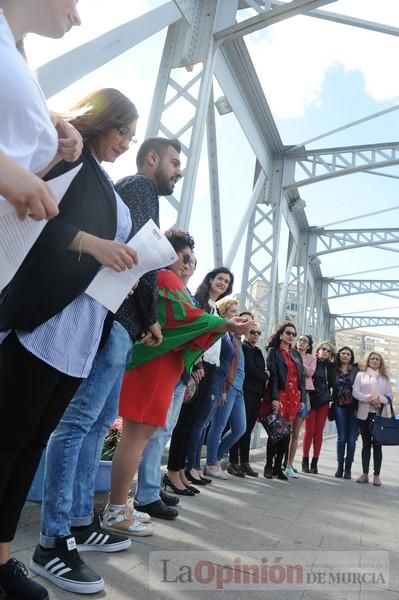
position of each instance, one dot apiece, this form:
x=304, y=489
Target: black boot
x=268, y=471
x=348, y=470
x=340, y=471
x=248, y=470
x=313, y=466
x=305, y=464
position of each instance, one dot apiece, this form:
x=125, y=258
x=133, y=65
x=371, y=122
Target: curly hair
x=202, y=293
x=274, y=340
x=225, y=304
x=365, y=363
x=179, y=239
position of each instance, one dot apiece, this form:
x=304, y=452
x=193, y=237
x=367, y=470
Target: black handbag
x=385, y=430
x=275, y=426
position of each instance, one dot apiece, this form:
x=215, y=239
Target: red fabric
x=313, y=432
x=290, y=397
x=147, y=390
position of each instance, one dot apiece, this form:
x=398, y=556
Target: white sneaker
x=290, y=472
x=123, y=520
x=215, y=471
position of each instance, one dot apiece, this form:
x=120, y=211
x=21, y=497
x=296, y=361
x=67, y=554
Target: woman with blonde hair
x=320, y=398
x=373, y=389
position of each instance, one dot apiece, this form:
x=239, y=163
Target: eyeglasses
x=326, y=349
x=303, y=339
x=187, y=259
x=255, y=332
x=124, y=133
x=291, y=333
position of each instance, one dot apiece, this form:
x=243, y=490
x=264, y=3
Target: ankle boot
x=340, y=471
x=305, y=464
x=348, y=470
x=313, y=466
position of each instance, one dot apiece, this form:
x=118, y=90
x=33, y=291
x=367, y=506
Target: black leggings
x=33, y=399
x=276, y=451
x=182, y=432
x=242, y=447
x=369, y=441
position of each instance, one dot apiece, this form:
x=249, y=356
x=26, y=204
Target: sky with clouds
x=316, y=76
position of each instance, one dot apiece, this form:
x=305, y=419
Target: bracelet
x=80, y=245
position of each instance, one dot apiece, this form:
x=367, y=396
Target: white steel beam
x=214, y=184
x=61, y=72
x=326, y=163
x=270, y=17
x=346, y=20
x=339, y=288
x=343, y=322
x=335, y=240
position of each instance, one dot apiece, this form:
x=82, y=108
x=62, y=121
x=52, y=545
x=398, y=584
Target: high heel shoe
x=168, y=483
x=193, y=479
x=192, y=488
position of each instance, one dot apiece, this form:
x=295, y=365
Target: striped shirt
x=69, y=340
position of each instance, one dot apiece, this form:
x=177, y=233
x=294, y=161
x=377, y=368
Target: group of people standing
x=307, y=388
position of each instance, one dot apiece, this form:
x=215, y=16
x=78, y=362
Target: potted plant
x=103, y=478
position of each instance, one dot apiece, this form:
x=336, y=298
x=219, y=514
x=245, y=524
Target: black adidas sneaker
x=95, y=539
x=63, y=566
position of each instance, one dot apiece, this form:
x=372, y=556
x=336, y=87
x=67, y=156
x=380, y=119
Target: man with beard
x=74, y=449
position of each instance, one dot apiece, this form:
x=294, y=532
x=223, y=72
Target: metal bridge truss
x=205, y=42
x=339, y=288
x=342, y=322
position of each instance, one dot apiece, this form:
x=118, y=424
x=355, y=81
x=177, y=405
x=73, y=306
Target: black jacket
x=255, y=374
x=323, y=381
x=278, y=369
x=51, y=276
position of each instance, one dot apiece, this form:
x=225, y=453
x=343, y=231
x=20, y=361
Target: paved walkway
x=313, y=514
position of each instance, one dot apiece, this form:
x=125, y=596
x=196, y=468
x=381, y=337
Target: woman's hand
x=29, y=195
x=223, y=399
x=70, y=142
x=301, y=406
x=153, y=337
x=275, y=404
x=108, y=253
x=241, y=325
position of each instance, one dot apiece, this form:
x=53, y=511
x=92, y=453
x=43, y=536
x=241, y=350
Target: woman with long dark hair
x=345, y=410
x=320, y=398
x=287, y=390
x=304, y=346
x=373, y=390
x=216, y=284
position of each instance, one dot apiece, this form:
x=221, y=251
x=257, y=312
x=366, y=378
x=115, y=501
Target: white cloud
x=293, y=57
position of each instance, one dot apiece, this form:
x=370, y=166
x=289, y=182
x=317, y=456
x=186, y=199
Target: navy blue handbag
x=385, y=430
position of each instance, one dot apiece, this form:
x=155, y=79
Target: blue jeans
x=346, y=422
x=74, y=449
x=149, y=471
x=206, y=412
x=232, y=412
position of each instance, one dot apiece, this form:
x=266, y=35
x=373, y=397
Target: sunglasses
x=326, y=349
x=290, y=333
x=255, y=332
x=187, y=258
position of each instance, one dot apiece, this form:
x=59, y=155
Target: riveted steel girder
x=335, y=240
x=326, y=163
x=354, y=322
x=339, y=288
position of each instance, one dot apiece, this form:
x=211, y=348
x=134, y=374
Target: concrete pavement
x=315, y=513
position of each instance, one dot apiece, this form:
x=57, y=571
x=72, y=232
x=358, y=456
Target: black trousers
x=241, y=448
x=369, y=441
x=188, y=413
x=276, y=452
x=33, y=398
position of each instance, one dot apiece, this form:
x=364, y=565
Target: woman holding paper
x=154, y=372
x=50, y=328
x=31, y=139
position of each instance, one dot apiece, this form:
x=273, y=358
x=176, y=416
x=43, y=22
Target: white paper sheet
x=17, y=237
x=154, y=251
